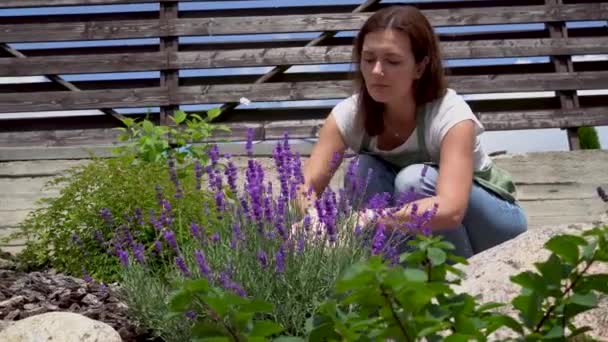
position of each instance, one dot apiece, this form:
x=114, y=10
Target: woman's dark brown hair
x=431, y=85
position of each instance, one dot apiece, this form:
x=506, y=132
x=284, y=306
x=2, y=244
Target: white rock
x=488, y=273
x=59, y=326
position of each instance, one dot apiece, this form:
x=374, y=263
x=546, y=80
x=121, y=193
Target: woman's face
x=388, y=66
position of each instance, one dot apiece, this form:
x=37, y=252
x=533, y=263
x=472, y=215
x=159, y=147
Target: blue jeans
x=489, y=220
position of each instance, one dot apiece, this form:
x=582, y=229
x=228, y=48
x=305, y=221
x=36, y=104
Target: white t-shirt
x=440, y=115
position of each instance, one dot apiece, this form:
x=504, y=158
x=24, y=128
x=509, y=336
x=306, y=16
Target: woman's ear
x=421, y=67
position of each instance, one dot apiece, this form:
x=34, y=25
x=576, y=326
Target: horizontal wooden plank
x=283, y=56
x=92, y=99
x=553, y=212
x=304, y=128
x=558, y=191
x=49, y=3
x=20, y=102
x=340, y=22
x=549, y=118
x=12, y=170
x=83, y=64
x=93, y=30
x=542, y=168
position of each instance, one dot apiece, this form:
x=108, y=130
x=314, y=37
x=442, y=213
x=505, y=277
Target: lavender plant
x=254, y=242
x=64, y=232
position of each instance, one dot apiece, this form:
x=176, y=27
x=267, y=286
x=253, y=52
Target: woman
x=402, y=118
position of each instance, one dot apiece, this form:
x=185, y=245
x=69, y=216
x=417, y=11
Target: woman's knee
x=419, y=178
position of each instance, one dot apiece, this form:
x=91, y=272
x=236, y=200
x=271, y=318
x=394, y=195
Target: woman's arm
x=455, y=179
x=317, y=169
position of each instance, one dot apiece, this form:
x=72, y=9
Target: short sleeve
x=345, y=114
x=451, y=110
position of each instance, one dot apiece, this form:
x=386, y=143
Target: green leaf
x=179, y=116
x=459, y=338
x=289, y=339
x=551, y=270
x=529, y=307
x=556, y=332
x=213, y=339
x=128, y=121
x=530, y=280
x=217, y=304
x=207, y=329
x=587, y=300
x=464, y=324
x=440, y=326
x=180, y=301
x=197, y=285
x=579, y=331
x=415, y=275
x=214, y=113
x=489, y=306
x=147, y=125
x=566, y=246
x=265, y=328
x=497, y=321
x=437, y=256
x=597, y=282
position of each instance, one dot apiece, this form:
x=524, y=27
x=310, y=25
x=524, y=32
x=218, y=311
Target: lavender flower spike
x=169, y=236
x=181, y=264
x=203, y=266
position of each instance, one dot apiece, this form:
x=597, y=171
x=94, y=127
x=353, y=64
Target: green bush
x=65, y=233
x=588, y=138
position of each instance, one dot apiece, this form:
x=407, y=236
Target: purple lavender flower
x=123, y=256
x=138, y=252
x=158, y=246
x=231, y=174
x=307, y=222
x=219, y=201
x=249, y=145
x=195, y=230
x=76, y=240
x=268, y=209
x=357, y=230
x=107, y=217
x=139, y=216
x=230, y=285
x=169, y=236
x=203, y=266
x=215, y=237
x=181, y=264
x=98, y=235
x=86, y=276
x=191, y=315
x=236, y=235
x=263, y=259
x=335, y=160
x=214, y=154
x=159, y=193
x=166, y=215
x=280, y=260
x=301, y=243
x=379, y=239
x=198, y=173
x=245, y=208
x=174, y=178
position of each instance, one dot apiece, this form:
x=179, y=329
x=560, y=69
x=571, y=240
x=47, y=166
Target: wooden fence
x=29, y=138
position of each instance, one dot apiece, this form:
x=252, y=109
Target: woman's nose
x=377, y=69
